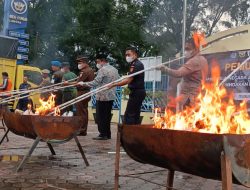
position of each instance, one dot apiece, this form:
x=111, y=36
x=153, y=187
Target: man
x=45, y=82
x=57, y=78
x=23, y=102
x=69, y=93
x=5, y=88
x=193, y=73
x=86, y=75
x=104, y=100
x=136, y=87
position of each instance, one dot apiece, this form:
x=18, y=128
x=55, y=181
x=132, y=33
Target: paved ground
x=67, y=171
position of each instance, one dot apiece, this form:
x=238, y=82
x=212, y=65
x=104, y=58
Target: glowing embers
x=215, y=112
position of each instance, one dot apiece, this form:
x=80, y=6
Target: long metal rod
x=106, y=87
x=184, y=28
x=21, y=92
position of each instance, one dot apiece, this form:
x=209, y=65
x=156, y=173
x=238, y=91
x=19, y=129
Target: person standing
x=57, y=78
x=45, y=82
x=69, y=93
x=23, y=102
x=193, y=73
x=136, y=87
x=5, y=88
x=104, y=100
x=86, y=75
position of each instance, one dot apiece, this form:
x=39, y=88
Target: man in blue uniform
x=136, y=87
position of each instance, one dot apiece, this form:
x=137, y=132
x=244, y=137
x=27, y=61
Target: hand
x=81, y=83
x=65, y=83
x=161, y=67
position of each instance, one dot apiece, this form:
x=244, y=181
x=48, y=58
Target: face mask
x=80, y=66
x=129, y=59
x=188, y=53
x=98, y=66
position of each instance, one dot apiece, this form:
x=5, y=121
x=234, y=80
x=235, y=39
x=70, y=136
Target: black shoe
x=82, y=134
x=100, y=138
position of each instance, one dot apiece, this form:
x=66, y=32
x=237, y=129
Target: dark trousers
x=133, y=109
x=82, y=110
x=23, y=104
x=67, y=96
x=103, y=117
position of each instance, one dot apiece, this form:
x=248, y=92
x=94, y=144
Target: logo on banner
x=19, y=6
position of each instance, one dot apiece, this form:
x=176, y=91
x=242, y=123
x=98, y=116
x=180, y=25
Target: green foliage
x=61, y=29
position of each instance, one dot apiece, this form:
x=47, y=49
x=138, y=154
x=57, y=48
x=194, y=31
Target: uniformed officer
x=193, y=73
x=136, y=87
x=57, y=78
x=86, y=75
x=104, y=100
x=69, y=93
x=45, y=82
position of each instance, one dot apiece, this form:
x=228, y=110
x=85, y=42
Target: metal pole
x=184, y=28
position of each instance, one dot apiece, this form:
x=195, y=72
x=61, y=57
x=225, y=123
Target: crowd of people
x=193, y=72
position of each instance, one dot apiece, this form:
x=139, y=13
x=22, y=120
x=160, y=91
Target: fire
x=48, y=106
x=216, y=112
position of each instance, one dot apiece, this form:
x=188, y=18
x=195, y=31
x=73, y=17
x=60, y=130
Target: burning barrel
x=189, y=152
x=48, y=128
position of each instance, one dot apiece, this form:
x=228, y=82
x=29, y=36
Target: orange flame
x=199, y=39
x=216, y=112
x=48, y=106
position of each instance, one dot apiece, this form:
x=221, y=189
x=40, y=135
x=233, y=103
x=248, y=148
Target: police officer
x=136, y=87
x=23, y=102
x=86, y=75
x=57, y=78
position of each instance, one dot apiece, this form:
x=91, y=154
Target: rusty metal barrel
x=185, y=151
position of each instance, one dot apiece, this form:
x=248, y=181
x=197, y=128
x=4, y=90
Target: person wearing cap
x=45, y=82
x=69, y=93
x=136, y=87
x=57, y=78
x=104, y=100
x=86, y=75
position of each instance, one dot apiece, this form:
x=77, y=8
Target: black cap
x=82, y=58
x=65, y=64
x=101, y=56
x=134, y=49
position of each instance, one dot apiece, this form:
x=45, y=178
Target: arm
x=5, y=84
x=181, y=72
x=98, y=79
x=123, y=82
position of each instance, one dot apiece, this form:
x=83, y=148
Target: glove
x=81, y=83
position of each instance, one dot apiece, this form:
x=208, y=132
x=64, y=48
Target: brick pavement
x=66, y=170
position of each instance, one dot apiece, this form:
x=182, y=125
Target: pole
x=184, y=28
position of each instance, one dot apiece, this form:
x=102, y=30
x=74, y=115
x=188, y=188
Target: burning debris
x=216, y=112
x=46, y=108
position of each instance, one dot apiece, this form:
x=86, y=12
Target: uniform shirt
x=105, y=75
x=193, y=72
x=45, y=82
x=86, y=75
x=138, y=80
x=24, y=87
x=69, y=76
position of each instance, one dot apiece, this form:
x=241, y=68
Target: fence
x=154, y=97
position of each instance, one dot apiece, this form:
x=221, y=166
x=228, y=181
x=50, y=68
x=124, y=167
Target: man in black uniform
x=136, y=87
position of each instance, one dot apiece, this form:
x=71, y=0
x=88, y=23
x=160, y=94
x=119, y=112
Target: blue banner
x=15, y=15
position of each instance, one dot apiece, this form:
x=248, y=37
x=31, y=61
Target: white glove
x=81, y=83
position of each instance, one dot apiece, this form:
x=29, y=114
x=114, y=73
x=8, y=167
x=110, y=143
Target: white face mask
x=188, y=53
x=129, y=59
x=98, y=66
x=80, y=66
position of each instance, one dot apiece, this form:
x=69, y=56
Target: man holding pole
x=86, y=75
x=104, y=100
x=136, y=87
